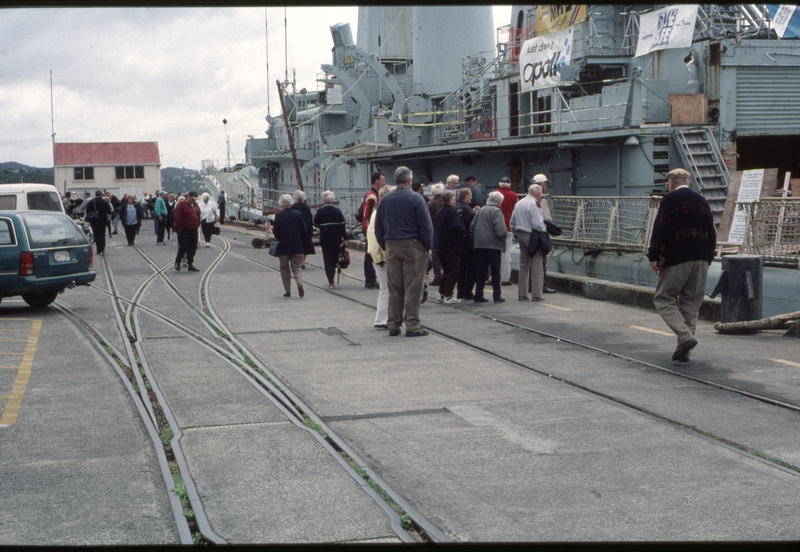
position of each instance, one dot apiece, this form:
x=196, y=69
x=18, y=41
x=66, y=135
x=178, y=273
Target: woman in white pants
x=379, y=262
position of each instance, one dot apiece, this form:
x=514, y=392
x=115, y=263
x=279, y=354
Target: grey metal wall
x=767, y=100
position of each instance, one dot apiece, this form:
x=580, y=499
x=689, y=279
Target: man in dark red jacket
x=186, y=220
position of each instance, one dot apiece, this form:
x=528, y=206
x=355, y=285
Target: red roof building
x=107, y=153
x=124, y=167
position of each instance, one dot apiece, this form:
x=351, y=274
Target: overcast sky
x=169, y=75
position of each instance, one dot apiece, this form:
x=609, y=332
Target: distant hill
x=173, y=179
x=11, y=171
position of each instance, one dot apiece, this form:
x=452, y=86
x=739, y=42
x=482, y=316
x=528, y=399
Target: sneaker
x=381, y=326
x=452, y=300
x=548, y=290
x=331, y=286
x=416, y=333
x=178, y=267
x=208, y=244
x=193, y=268
x=439, y=298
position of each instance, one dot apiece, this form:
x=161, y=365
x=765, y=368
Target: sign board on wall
x=688, y=109
x=558, y=17
x=541, y=59
x=259, y=198
x=744, y=186
x=670, y=27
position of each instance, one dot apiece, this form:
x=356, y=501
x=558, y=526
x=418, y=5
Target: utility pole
x=227, y=143
x=290, y=136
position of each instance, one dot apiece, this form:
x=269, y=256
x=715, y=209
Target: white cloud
x=154, y=74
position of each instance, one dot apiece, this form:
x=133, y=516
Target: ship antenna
x=285, y=46
x=266, y=31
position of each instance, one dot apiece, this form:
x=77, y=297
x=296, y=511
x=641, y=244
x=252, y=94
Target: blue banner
x=785, y=20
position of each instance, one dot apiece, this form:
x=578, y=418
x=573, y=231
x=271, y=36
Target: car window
x=48, y=230
x=43, y=201
x=8, y=202
x=6, y=235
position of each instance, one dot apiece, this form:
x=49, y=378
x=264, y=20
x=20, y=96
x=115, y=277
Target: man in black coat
x=466, y=267
x=681, y=250
x=448, y=244
x=221, y=201
x=98, y=211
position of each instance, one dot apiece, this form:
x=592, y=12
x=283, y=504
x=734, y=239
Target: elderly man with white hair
x=405, y=232
x=332, y=233
x=488, y=234
x=527, y=218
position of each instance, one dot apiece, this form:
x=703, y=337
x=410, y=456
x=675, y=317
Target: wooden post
x=291, y=137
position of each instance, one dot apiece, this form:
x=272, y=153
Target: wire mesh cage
x=614, y=223
x=773, y=230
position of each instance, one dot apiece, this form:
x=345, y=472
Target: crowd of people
x=464, y=240
x=181, y=214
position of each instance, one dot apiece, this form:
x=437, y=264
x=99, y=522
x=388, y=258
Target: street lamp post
x=227, y=143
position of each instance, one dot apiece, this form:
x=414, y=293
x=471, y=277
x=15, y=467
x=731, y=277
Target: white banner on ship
x=670, y=27
x=542, y=57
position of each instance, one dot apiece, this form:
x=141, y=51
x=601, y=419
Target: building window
x=129, y=172
x=84, y=173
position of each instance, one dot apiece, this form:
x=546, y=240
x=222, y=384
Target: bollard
x=740, y=285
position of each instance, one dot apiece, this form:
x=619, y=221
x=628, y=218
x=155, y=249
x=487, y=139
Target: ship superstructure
x=587, y=94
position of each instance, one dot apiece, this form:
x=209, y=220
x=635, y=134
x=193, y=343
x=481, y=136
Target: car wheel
x=40, y=300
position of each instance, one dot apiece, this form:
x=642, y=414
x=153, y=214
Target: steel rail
x=785, y=465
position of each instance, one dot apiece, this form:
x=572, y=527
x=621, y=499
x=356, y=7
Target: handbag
x=215, y=230
x=275, y=248
x=343, y=261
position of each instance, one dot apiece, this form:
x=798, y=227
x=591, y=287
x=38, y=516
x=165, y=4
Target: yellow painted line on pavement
x=14, y=400
x=2, y=366
x=555, y=307
x=786, y=362
x=659, y=332
x=12, y=353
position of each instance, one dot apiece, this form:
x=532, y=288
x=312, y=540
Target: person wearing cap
x=160, y=215
x=543, y=181
x=186, y=219
x=510, y=199
x=681, y=249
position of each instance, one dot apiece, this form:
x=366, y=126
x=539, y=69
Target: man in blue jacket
x=403, y=229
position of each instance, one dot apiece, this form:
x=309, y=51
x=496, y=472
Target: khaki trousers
x=679, y=294
x=531, y=272
x=406, y=266
x=291, y=266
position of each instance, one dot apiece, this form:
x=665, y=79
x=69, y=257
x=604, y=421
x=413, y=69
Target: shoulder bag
x=275, y=248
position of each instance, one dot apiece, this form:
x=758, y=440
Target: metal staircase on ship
x=701, y=157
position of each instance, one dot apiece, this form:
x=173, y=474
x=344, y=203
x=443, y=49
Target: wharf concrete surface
x=77, y=466
x=492, y=452
x=563, y=420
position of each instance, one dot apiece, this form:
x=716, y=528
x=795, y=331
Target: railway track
x=131, y=364
x=409, y=525
x=744, y=448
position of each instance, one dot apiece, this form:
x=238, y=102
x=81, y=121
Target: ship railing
x=772, y=230
x=603, y=222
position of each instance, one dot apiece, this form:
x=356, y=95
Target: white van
x=30, y=197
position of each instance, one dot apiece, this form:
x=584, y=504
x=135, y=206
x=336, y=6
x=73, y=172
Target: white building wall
x=105, y=178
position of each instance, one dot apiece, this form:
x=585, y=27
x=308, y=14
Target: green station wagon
x=41, y=254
